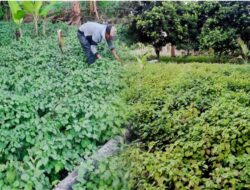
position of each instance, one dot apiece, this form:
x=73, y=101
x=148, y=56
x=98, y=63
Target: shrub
x=196, y=59
x=7, y=33
x=193, y=127
x=55, y=110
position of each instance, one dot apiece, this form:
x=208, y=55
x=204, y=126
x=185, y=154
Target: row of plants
x=202, y=59
x=192, y=131
x=55, y=110
x=8, y=31
x=192, y=122
x=194, y=59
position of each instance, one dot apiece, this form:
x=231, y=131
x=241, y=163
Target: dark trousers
x=86, y=48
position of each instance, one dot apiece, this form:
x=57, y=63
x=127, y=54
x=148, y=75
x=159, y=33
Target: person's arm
x=112, y=49
x=93, y=46
x=115, y=55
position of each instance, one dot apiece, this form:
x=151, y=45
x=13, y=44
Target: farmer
x=92, y=33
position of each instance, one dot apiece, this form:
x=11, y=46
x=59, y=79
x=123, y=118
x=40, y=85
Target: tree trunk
x=60, y=40
x=157, y=52
x=21, y=32
x=93, y=9
x=76, y=14
x=18, y=33
x=44, y=27
x=36, y=26
x=172, y=50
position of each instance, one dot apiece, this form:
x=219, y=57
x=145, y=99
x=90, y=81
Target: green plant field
x=192, y=130
x=194, y=59
x=193, y=126
x=55, y=110
x=191, y=121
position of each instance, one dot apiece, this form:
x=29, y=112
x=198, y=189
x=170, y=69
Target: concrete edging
x=107, y=150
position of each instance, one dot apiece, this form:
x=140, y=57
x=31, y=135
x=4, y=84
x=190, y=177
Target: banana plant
x=46, y=8
x=142, y=60
x=244, y=49
x=17, y=15
x=33, y=8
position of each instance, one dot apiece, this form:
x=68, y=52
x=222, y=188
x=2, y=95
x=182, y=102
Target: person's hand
x=117, y=58
x=98, y=56
x=115, y=55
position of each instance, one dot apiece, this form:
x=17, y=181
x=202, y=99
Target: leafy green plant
x=155, y=24
x=143, y=60
x=192, y=124
x=111, y=173
x=244, y=49
x=54, y=110
x=17, y=14
x=33, y=8
x=45, y=9
x=218, y=31
x=194, y=59
x=1, y=13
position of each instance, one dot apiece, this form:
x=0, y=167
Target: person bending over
x=92, y=33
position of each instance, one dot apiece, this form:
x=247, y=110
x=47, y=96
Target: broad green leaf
x=16, y=12
x=37, y=6
x=32, y=7
x=10, y=176
x=58, y=166
x=28, y=6
x=28, y=186
x=20, y=14
x=49, y=7
x=25, y=177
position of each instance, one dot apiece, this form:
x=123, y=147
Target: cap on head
x=111, y=30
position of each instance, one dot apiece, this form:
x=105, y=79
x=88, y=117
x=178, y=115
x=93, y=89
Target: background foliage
x=192, y=25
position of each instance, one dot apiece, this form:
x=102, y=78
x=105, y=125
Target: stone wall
x=166, y=51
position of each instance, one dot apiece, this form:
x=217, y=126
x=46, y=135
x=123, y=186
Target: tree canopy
x=193, y=25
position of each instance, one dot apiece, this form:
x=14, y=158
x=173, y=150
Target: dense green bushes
x=194, y=59
x=192, y=121
x=192, y=26
x=8, y=30
x=7, y=33
x=202, y=59
x=54, y=109
x=193, y=125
